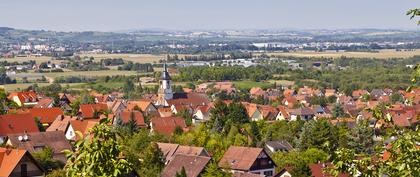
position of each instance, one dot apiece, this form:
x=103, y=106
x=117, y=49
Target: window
x=23, y=170
x=268, y=173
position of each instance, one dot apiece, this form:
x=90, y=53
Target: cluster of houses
x=41, y=123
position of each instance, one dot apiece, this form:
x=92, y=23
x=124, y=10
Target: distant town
x=243, y=103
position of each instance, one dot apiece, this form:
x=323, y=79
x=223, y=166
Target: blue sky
x=112, y=15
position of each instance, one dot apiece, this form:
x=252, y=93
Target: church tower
x=165, y=88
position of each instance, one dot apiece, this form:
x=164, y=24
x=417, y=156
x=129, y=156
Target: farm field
x=30, y=75
x=249, y=84
x=382, y=54
x=20, y=86
x=38, y=60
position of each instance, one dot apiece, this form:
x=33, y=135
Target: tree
x=152, y=161
x=397, y=97
x=212, y=170
x=338, y=111
x=413, y=13
x=318, y=134
x=401, y=159
x=361, y=138
x=97, y=155
x=39, y=124
x=45, y=158
x=299, y=161
x=186, y=115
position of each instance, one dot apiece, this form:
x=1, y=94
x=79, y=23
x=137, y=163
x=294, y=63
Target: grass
x=91, y=73
x=282, y=82
x=21, y=86
x=249, y=84
x=22, y=59
x=382, y=54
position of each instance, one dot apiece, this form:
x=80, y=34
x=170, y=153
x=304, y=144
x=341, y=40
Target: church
x=167, y=98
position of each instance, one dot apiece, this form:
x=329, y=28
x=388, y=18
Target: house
x=356, y=94
x=16, y=123
x=45, y=103
x=177, y=108
x=116, y=106
x=330, y=92
x=146, y=106
x=167, y=125
x=193, y=165
x=82, y=126
x=189, y=99
x=34, y=142
x=275, y=146
x=87, y=111
x=165, y=111
x=376, y=93
x=253, y=110
x=18, y=162
x=46, y=115
x=317, y=170
x=60, y=123
x=248, y=159
x=169, y=150
x=66, y=100
x=290, y=101
x=225, y=86
x=283, y=113
x=268, y=112
x=201, y=114
x=24, y=99
x=283, y=173
x=257, y=92
x=125, y=116
x=304, y=113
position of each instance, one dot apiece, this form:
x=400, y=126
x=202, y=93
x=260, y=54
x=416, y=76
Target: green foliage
x=403, y=158
x=186, y=115
x=57, y=173
x=413, y=13
x=45, y=159
x=316, y=100
x=338, y=111
x=299, y=161
x=361, y=138
x=146, y=157
x=212, y=170
x=39, y=124
x=397, y=97
x=152, y=161
x=97, y=155
x=318, y=134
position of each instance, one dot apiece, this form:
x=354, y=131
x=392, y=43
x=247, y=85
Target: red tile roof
x=83, y=126
x=167, y=125
x=88, y=110
x=317, y=170
x=24, y=97
x=17, y=123
x=44, y=103
x=46, y=115
x=10, y=158
x=240, y=158
x=55, y=140
x=193, y=165
x=126, y=116
x=60, y=123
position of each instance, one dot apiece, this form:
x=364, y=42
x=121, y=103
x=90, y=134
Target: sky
x=116, y=15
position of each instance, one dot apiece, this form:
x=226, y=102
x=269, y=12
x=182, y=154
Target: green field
x=21, y=86
x=249, y=84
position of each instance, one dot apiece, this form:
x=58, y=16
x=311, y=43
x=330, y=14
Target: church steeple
x=165, y=87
